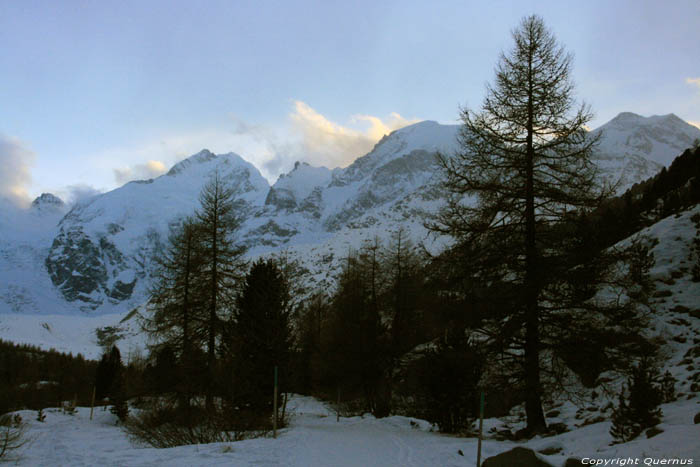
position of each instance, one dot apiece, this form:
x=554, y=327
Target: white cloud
x=324, y=142
x=150, y=169
x=73, y=194
x=16, y=161
x=306, y=136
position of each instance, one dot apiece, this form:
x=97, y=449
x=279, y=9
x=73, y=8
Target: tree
x=357, y=352
x=310, y=319
x=449, y=374
x=221, y=263
x=117, y=384
x=177, y=319
x=639, y=409
x=403, y=291
x=107, y=373
x=11, y=434
x=524, y=167
x=259, y=336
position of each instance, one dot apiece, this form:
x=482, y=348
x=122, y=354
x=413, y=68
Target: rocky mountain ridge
x=98, y=257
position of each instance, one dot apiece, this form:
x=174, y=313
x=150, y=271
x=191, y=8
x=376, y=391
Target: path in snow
x=314, y=438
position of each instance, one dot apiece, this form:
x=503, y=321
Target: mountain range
x=95, y=257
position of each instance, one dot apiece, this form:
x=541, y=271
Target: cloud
x=693, y=81
x=324, y=142
x=150, y=169
x=697, y=124
x=15, y=170
x=79, y=192
x=306, y=136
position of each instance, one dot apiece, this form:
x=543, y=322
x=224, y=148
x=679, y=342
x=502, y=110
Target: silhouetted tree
x=107, y=373
x=638, y=407
x=357, y=350
x=259, y=336
x=178, y=320
x=221, y=264
x=524, y=168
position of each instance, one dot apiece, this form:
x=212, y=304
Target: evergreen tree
x=524, y=168
x=311, y=322
x=221, y=264
x=259, y=336
x=178, y=320
x=667, y=386
x=403, y=291
x=450, y=375
x=107, y=373
x=357, y=355
x=117, y=388
x=639, y=409
x=622, y=428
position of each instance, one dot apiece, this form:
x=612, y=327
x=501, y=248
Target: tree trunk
x=211, y=357
x=533, y=403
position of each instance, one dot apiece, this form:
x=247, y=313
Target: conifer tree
x=403, y=290
x=221, y=264
x=107, y=373
x=523, y=175
x=259, y=336
x=357, y=348
x=639, y=409
x=178, y=321
x=117, y=387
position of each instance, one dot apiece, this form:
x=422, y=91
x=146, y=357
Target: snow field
x=314, y=438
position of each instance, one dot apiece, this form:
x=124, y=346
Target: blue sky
x=95, y=93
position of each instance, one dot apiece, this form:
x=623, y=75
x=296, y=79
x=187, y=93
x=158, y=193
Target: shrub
x=450, y=375
x=164, y=425
x=11, y=434
x=668, y=387
x=639, y=409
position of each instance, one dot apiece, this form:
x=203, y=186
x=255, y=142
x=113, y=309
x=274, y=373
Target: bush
x=639, y=409
x=668, y=387
x=165, y=425
x=11, y=434
x=450, y=375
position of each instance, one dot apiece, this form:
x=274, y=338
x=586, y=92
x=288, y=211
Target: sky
x=96, y=93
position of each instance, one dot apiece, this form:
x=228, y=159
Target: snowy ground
x=315, y=438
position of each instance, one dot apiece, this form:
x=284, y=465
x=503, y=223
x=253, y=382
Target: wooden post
x=481, y=429
x=92, y=401
x=274, y=403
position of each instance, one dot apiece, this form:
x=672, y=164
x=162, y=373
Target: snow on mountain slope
x=634, y=148
x=25, y=238
x=292, y=189
x=103, y=248
x=97, y=259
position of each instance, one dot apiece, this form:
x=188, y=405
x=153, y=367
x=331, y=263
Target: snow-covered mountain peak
x=303, y=178
x=633, y=147
x=628, y=120
x=48, y=202
x=205, y=159
x=426, y=136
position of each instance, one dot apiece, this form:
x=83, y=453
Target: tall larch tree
x=177, y=321
x=524, y=166
x=222, y=263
